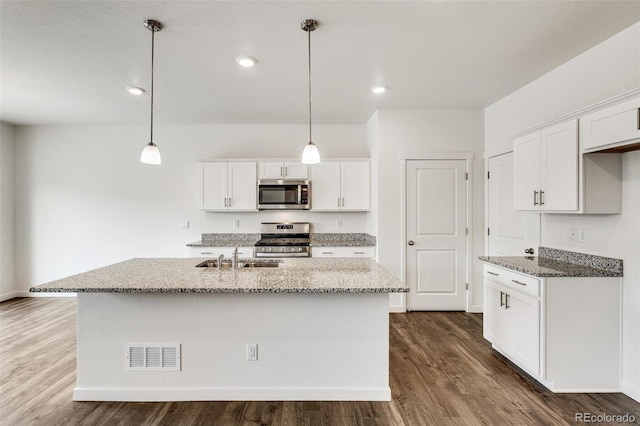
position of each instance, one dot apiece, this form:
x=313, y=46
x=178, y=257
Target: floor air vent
x=153, y=357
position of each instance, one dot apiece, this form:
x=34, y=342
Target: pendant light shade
x=310, y=155
x=151, y=153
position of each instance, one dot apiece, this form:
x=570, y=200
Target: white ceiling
x=68, y=62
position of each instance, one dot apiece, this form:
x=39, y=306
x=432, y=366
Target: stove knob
x=299, y=249
x=270, y=249
x=281, y=249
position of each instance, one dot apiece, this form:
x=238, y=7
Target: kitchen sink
x=226, y=264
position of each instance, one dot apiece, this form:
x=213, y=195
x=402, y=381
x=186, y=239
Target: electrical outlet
x=252, y=352
x=183, y=224
x=236, y=223
x=583, y=235
x=573, y=234
x=339, y=223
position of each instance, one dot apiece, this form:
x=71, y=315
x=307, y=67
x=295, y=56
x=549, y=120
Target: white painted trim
x=9, y=296
x=43, y=294
x=428, y=155
x=632, y=391
x=425, y=155
x=232, y=394
x=274, y=159
x=476, y=309
x=583, y=111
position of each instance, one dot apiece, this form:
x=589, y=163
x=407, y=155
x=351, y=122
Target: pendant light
x=150, y=153
x=310, y=155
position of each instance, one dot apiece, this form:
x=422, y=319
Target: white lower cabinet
x=342, y=251
x=564, y=332
x=214, y=252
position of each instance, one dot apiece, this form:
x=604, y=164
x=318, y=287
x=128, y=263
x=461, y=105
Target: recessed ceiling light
x=377, y=89
x=246, y=61
x=134, y=90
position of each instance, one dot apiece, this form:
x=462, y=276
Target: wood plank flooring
x=442, y=373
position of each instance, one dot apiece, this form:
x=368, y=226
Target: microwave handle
x=299, y=194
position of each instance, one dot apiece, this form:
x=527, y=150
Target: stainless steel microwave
x=284, y=195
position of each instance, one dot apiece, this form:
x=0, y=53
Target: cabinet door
x=526, y=172
x=354, y=186
x=559, y=173
x=295, y=170
x=524, y=336
x=617, y=123
x=242, y=186
x=325, y=186
x=213, y=186
x=271, y=170
x=495, y=321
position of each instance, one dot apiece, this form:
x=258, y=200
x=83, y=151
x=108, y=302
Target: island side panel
x=311, y=346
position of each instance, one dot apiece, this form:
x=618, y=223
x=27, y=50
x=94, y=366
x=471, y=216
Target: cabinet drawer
x=212, y=252
x=342, y=251
x=511, y=279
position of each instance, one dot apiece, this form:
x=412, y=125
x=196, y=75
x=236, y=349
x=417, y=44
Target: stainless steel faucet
x=234, y=258
x=220, y=261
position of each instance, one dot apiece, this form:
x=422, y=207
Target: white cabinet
x=214, y=252
x=512, y=318
x=546, y=169
x=611, y=127
x=343, y=252
x=340, y=186
x=563, y=331
x=228, y=186
x=282, y=170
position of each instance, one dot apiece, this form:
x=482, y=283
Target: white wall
x=7, y=213
x=434, y=130
x=83, y=199
x=600, y=73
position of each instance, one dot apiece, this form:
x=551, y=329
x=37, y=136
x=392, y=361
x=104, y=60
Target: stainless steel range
x=287, y=239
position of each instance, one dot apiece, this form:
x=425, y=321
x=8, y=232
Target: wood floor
x=442, y=373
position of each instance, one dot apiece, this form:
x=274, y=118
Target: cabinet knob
x=410, y=243
x=529, y=251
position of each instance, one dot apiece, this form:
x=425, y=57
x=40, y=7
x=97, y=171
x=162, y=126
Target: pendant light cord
x=153, y=33
x=309, y=45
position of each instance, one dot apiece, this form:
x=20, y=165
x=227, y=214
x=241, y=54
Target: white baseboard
x=632, y=391
x=8, y=296
x=232, y=394
x=38, y=294
x=476, y=309
x=397, y=309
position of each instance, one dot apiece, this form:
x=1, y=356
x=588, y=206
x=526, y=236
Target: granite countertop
x=315, y=240
x=168, y=275
x=559, y=263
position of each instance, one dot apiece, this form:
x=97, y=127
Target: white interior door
x=436, y=234
x=510, y=232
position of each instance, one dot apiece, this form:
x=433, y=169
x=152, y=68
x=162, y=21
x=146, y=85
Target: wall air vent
x=152, y=357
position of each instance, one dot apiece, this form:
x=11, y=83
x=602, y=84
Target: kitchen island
x=166, y=330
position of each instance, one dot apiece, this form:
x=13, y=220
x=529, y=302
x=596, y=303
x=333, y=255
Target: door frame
x=427, y=155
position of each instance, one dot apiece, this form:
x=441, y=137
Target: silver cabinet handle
x=529, y=251
x=225, y=201
x=535, y=198
x=338, y=201
x=229, y=201
x=342, y=201
x=506, y=301
x=282, y=171
x=286, y=171
x=541, y=197
x=501, y=300
x=492, y=273
x=206, y=252
x=327, y=252
x=411, y=243
x=518, y=282
x=358, y=252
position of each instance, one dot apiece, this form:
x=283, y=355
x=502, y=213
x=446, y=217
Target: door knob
x=410, y=243
x=529, y=251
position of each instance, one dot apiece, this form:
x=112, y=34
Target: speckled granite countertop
x=559, y=263
x=316, y=240
x=324, y=275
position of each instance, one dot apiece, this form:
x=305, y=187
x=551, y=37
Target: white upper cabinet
x=340, y=186
x=546, y=169
x=228, y=186
x=283, y=170
x=611, y=127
